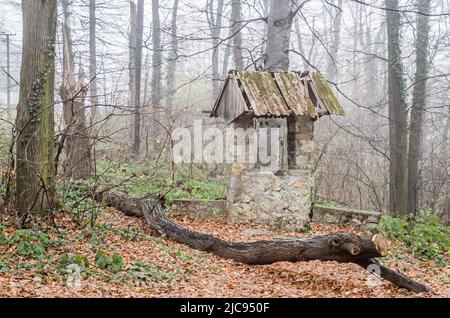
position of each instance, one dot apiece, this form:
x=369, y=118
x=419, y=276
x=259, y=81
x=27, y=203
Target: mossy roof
x=283, y=94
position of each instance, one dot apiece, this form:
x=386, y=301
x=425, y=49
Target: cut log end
x=381, y=244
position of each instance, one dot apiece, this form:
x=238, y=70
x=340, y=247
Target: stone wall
x=364, y=220
x=279, y=200
x=202, y=209
x=300, y=139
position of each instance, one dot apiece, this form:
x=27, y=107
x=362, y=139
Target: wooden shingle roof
x=277, y=95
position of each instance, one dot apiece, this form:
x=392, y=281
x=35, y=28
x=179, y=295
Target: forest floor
x=134, y=262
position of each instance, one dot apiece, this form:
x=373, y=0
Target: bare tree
x=132, y=62
x=156, y=64
x=138, y=77
x=236, y=17
x=281, y=16
x=75, y=138
x=332, y=68
x=93, y=57
x=418, y=104
x=173, y=55
x=398, y=130
x=65, y=4
x=35, y=189
x=215, y=25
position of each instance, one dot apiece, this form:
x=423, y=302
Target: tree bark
x=301, y=47
x=236, y=17
x=65, y=4
x=156, y=68
x=173, y=55
x=418, y=104
x=276, y=56
x=215, y=23
x=332, y=69
x=132, y=64
x=276, y=59
x=93, y=59
x=398, y=152
x=35, y=189
x=227, y=53
x=339, y=247
x=137, y=80
x=75, y=139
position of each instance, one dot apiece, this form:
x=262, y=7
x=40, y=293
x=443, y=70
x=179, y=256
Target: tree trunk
x=138, y=77
x=75, y=137
x=339, y=247
x=93, y=59
x=398, y=165
x=372, y=72
x=301, y=47
x=278, y=36
x=68, y=32
x=132, y=64
x=215, y=22
x=227, y=53
x=276, y=59
x=332, y=69
x=156, y=68
x=266, y=8
x=418, y=104
x=35, y=189
x=236, y=17
x=173, y=55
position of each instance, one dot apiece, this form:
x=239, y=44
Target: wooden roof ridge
x=282, y=94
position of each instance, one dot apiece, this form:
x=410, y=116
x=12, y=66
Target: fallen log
x=121, y=201
x=339, y=247
x=395, y=277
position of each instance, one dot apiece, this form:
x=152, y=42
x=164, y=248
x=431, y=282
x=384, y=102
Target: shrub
x=423, y=234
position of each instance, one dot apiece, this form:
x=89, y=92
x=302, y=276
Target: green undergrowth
x=25, y=249
x=423, y=235
x=328, y=203
x=140, y=179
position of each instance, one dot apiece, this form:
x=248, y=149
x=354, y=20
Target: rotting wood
x=339, y=247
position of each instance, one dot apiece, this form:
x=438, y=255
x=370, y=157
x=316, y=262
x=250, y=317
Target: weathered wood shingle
x=278, y=95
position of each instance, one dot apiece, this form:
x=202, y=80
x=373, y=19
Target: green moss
x=326, y=94
x=138, y=180
x=328, y=203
